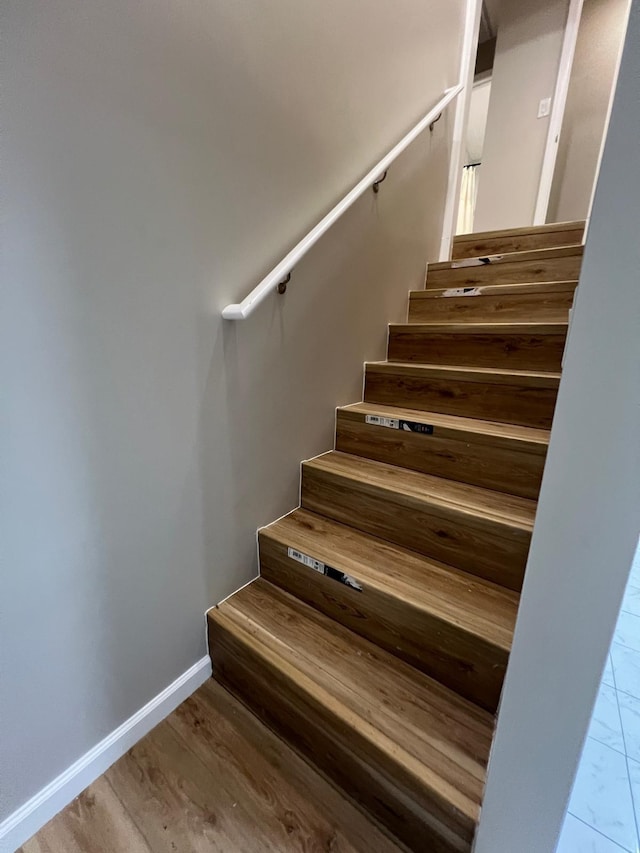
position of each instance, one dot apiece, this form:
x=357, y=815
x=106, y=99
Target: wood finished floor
x=210, y=777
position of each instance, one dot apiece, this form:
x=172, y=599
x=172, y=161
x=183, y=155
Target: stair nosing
x=504, y=376
x=484, y=327
x=510, y=371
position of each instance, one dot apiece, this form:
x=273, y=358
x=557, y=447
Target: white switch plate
x=544, y=107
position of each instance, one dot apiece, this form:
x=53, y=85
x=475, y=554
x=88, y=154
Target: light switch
x=544, y=107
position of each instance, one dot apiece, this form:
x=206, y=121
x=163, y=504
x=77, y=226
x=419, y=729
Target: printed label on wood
x=323, y=569
x=399, y=423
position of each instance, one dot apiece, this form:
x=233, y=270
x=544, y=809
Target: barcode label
x=398, y=423
x=323, y=569
x=475, y=262
x=463, y=291
x=377, y=420
x=307, y=561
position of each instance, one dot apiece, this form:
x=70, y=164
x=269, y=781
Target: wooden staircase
x=377, y=636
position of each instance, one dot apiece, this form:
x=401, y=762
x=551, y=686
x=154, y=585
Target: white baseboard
x=33, y=815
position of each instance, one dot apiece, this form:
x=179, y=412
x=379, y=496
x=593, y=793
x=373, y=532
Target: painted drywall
x=588, y=516
x=598, y=46
x=159, y=159
x=524, y=71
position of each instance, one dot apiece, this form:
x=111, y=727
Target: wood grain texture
x=415, y=752
x=446, y=623
x=518, y=239
x=304, y=719
x=517, y=397
x=518, y=346
x=482, y=532
x=561, y=264
x=95, y=822
x=547, y=302
x=211, y=778
x=503, y=457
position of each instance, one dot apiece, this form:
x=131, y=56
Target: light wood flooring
x=210, y=777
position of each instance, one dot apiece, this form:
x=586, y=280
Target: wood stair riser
x=554, y=265
x=517, y=240
x=517, y=350
x=513, y=467
x=487, y=548
x=528, y=403
x=543, y=307
x=440, y=648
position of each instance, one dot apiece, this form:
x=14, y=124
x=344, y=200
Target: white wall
x=598, y=46
x=160, y=158
x=526, y=64
x=588, y=516
x=477, y=125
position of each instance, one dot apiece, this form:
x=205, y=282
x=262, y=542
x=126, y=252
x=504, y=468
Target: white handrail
x=242, y=310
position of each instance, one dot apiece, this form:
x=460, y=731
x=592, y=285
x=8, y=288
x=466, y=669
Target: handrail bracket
x=376, y=184
x=282, y=285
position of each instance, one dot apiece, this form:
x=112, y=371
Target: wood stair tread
x=513, y=289
x=534, y=437
x=422, y=488
x=432, y=741
x=478, y=607
x=499, y=258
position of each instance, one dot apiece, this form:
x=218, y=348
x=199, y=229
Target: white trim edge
x=467, y=67
x=32, y=816
x=557, y=111
x=605, y=131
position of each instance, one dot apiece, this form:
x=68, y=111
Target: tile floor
x=604, y=809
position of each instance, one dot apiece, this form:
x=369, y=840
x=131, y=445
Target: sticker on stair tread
x=463, y=291
x=307, y=561
x=415, y=426
x=323, y=569
x=378, y=420
x=475, y=262
x=399, y=423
